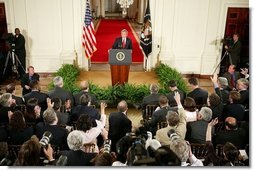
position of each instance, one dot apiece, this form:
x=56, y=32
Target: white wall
x=185, y=33
x=52, y=29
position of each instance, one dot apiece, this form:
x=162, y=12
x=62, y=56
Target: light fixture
x=125, y=4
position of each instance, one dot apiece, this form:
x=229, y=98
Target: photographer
x=235, y=50
x=20, y=50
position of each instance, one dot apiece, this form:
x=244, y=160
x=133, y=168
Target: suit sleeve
x=130, y=44
x=115, y=44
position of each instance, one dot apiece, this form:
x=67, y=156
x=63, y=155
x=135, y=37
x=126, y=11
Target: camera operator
x=20, y=50
x=235, y=49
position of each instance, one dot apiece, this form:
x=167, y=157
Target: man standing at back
x=119, y=124
x=123, y=42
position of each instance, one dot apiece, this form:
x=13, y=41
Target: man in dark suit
x=20, y=50
x=119, y=124
x=160, y=115
x=84, y=108
x=84, y=85
x=63, y=118
x=233, y=134
x=27, y=78
x=198, y=94
x=172, y=85
x=35, y=93
x=59, y=134
x=232, y=76
x=235, y=50
x=242, y=87
x=10, y=88
x=58, y=91
x=123, y=42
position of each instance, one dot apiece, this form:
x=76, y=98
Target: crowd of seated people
x=64, y=129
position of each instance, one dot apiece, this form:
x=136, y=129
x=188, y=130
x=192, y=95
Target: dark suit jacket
x=4, y=119
x=244, y=100
x=59, y=134
x=151, y=99
x=236, y=137
x=171, y=99
x=63, y=118
x=26, y=81
x=78, y=95
x=196, y=132
x=118, y=43
x=62, y=94
x=217, y=111
x=235, y=52
x=227, y=75
x=236, y=111
x=159, y=116
x=119, y=125
x=20, y=137
x=223, y=94
x=78, y=158
x=19, y=100
x=82, y=109
x=41, y=97
x=199, y=95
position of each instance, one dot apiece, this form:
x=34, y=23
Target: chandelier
x=124, y=4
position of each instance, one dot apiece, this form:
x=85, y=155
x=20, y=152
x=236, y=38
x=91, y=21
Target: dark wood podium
x=120, y=60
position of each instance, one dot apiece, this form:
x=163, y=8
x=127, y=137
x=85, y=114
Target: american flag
x=89, y=40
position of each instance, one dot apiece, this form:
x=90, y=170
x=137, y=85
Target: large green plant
x=166, y=73
x=69, y=73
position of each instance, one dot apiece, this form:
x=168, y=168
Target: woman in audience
x=215, y=104
x=190, y=109
x=76, y=156
x=90, y=133
x=29, y=153
x=18, y=130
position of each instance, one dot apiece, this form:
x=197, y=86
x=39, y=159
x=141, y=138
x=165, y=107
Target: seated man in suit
x=63, y=118
x=119, y=124
x=27, y=78
x=198, y=94
x=60, y=92
x=10, y=88
x=151, y=99
x=84, y=85
x=59, y=134
x=123, y=42
x=35, y=93
x=232, y=76
x=243, y=88
x=172, y=85
x=6, y=102
x=233, y=134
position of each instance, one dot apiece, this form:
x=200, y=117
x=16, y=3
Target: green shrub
x=165, y=74
x=69, y=73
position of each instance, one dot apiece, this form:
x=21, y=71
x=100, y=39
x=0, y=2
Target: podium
x=120, y=60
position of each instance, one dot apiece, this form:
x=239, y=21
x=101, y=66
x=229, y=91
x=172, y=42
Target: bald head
x=231, y=123
x=84, y=85
x=122, y=106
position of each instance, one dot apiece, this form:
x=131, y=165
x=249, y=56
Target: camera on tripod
x=10, y=41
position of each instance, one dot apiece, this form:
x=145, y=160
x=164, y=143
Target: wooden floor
x=103, y=78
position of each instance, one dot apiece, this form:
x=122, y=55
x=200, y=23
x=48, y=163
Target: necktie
x=124, y=43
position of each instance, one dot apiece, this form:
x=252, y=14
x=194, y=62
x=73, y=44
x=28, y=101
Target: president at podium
x=123, y=42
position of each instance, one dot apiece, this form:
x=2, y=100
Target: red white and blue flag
x=89, y=40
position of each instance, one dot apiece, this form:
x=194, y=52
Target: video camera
x=10, y=40
x=228, y=41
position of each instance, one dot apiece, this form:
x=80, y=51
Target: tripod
x=225, y=54
x=15, y=62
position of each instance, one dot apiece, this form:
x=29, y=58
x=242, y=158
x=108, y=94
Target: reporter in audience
x=33, y=111
x=76, y=156
x=190, y=109
x=10, y=88
x=215, y=104
x=27, y=78
x=6, y=102
x=63, y=118
x=18, y=130
x=242, y=86
x=172, y=85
